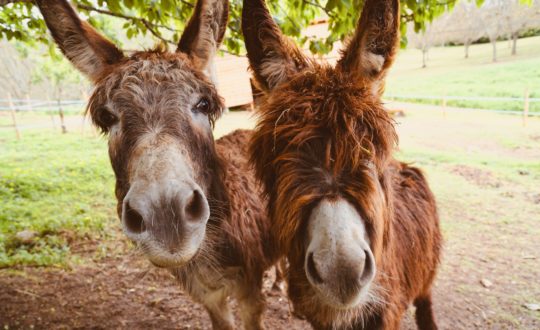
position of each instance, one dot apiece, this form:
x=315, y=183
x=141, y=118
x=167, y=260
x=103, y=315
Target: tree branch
x=187, y=3
x=327, y=12
x=126, y=17
x=150, y=26
x=7, y=2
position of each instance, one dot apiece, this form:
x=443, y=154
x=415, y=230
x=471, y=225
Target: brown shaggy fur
x=324, y=133
x=146, y=101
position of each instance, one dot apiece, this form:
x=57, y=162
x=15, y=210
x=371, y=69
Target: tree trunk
x=514, y=43
x=467, y=44
x=494, y=46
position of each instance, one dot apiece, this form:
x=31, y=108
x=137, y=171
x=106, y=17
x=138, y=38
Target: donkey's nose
x=342, y=276
x=133, y=220
x=356, y=267
x=311, y=269
x=195, y=206
x=177, y=211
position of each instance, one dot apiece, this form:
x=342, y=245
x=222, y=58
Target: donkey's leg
x=279, y=282
x=424, y=313
x=388, y=317
x=251, y=305
x=214, y=301
x=216, y=304
x=214, y=298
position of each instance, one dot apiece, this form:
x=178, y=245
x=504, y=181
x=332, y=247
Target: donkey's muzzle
x=167, y=221
x=339, y=263
x=342, y=278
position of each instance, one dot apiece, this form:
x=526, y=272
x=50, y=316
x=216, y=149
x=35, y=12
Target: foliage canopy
x=165, y=19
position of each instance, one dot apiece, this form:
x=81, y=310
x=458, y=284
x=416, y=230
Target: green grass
x=489, y=219
x=59, y=186
x=449, y=73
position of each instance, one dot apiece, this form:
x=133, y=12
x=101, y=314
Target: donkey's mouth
x=158, y=265
x=169, y=264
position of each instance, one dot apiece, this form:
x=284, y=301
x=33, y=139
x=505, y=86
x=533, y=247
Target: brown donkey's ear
x=204, y=33
x=371, y=50
x=91, y=53
x=272, y=57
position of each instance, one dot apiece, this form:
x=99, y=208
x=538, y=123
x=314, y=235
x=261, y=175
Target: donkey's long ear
x=372, y=49
x=90, y=52
x=272, y=57
x=204, y=33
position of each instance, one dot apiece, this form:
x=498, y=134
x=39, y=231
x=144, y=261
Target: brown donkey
x=192, y=205
x=360, y=229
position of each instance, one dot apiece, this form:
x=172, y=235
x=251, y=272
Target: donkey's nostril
x=134, y=221
x=195, y=206
x=312, y=269
x=368, y=269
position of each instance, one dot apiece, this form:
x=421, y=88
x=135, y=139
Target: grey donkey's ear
x=272, y=57
x=373, y=47
x=90, y=52
x=204, y=33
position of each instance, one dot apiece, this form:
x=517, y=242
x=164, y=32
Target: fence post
x=526, y=107
x=444, y=104
x=61, y=113
x=29, y=103
x=13, y=117
x=85, y=99
x=50, y=112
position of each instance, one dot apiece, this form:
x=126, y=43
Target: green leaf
x=22, y=22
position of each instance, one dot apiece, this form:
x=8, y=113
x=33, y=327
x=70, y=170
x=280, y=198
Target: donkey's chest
x=207, y=280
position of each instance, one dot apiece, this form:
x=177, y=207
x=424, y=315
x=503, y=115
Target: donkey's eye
x=108, y=119
x=202, y=106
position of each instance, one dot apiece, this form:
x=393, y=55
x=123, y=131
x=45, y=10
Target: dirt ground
x=490, y=272
x=116, y=293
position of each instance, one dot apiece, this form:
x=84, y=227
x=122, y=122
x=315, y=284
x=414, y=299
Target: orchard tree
x=434, y=34
x=518, y=17
x=15, y=71
x=491, y=16
x=164, y=19
x=466, y=27
x=56, y=72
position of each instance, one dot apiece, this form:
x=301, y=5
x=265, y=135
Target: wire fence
x=463, y=98
x=20, y=108
x=59, y=108
x=39, y=105
x=525, y=102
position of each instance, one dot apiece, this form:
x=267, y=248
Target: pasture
x=448, y=73
x=58, y=212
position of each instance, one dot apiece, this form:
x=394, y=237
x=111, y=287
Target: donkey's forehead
x=156, y=68
x=322, y=78
x=148, y=74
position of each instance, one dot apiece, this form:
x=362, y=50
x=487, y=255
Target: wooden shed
x=234, y=80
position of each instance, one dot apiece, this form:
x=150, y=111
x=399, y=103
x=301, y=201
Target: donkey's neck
x=238, y=208
x=218, y=194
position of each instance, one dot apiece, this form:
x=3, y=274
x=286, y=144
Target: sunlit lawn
x=58, y=186
x=61, y=186
x=448, y=73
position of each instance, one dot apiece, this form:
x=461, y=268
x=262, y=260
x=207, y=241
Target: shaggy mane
x=320, y=117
